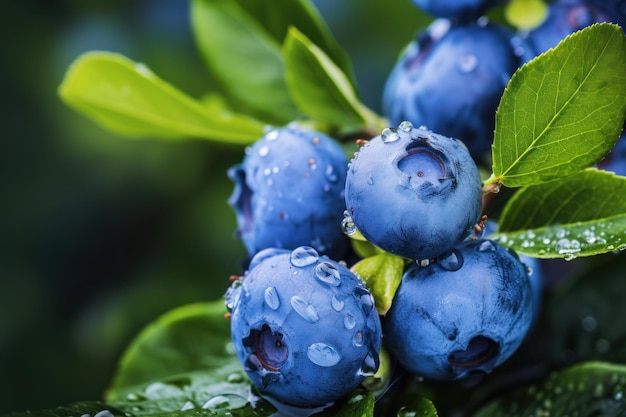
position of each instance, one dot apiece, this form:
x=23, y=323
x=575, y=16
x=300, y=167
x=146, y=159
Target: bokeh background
x=102, y=234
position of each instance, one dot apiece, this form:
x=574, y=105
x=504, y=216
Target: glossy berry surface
x=289, y=192
x=615, y=161
x=461, y=316
x=457, y=9
x=413, y=193
x=304, y=327
x=451, y=78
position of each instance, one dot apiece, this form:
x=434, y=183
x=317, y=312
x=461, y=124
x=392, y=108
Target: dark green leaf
x=382, y=274
x=563, y=111
x=358, y=404
x=320, y=88
x=244, y=57
x=584, y=390
x=419, y=407
x=91, y=408
x=127, y=98
x=581, y=215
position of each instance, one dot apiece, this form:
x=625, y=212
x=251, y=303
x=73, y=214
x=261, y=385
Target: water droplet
x=323, y=355
x=347, y=226
x=618, y=395
x=328, y=273
x=304, y=309
x=264, y=151
x=451, y=261
x=349, y=321
x=133, y=396
x=188, y=406
x=272, y=135
x=142, y=69
x=217, y=403
x=370, y=364
x=331, y=174
x=370, y=180
x=104, y=413
x=389, y=135
x=271, y=298
x=357, y=339
x=158, y=390
x=406, y=412
x=304, y=256
x=423, y=262
x=468, y=62
x=405, y=126
x=355, y=399
x=589, y=323
x=367, y=302
x=337, y=303
x=235, y=378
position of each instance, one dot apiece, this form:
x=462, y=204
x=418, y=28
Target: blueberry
x=615, y=161
x=289, y=192
x=564, y=18
x=304, y=327
x=457, y=9
x=451, y=79
x=413, y=193
x=461, y=316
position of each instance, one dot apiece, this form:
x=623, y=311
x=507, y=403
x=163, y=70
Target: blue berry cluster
x=305, y=327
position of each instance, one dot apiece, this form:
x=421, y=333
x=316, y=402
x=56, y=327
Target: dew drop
x=405, y=126
x=328, y=273
x=264, y=151
x=235, y=378
x=104, y=413
x=188, y=406
x=451, y=261
x=467, y=63
x=589, y=323
x=304, y=256
x=304, y=309
x=486, y=246
x=271, y=298
x=423, y=262
x=347, y=226
x=617, y=396
x=367, y=302
x=370, y=364
x=336, y=303
x=349, y=321
x=355, y=399
x=370, y=179
x=323, y=355
x=217, y=403
x=389, y=135
x=331, y=174
x=272, y=135
x=357, y=339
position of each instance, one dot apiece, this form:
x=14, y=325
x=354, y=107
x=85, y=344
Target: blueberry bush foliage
x=277, y=62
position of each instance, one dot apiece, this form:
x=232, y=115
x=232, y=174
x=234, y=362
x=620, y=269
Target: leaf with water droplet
x=382, y=274
x=419, y=407
x=563, y=111
x=579, y=394
x=124, y=97
x=91, y=408
x=580, y=215
x=320, y=88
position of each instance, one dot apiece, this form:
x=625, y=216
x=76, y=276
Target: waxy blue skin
x=451, y=78
x=417, y=196
x=289, y=192
x=456, y=9
x=615, y=161
x=437, y=312
x=328, y=330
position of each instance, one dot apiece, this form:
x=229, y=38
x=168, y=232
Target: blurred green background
x=100, y=234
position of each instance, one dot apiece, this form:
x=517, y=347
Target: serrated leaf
x=585, y=390
x=129, y=99
x=562, y=111
x=321, y=89
x=580, y=215
x=382, y=274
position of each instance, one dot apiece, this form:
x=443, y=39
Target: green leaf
x=321, y=89
x=382, y=274
x=419, y=407
x=587, y=389
x=562, y=111
x=580, y=215
x=129, y=99
x=91, y=408
x=244, y=57
x=360, y=403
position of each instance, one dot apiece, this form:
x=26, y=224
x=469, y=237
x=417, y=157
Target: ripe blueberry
x=413, y=193
x=451, y=79
x=289, y=192
x=457, y=9
x=304, y=327
x=461, y=316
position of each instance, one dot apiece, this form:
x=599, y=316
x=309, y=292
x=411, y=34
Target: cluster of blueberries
x=304, y=326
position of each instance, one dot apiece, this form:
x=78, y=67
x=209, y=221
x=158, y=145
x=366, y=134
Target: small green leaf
x=359, y=403
x=321, y=89
x=419, y=407
x=562, y=111
x=587, y=389
x=581, y=215
x=91, y=408
x=129, y=99
x=382, y=274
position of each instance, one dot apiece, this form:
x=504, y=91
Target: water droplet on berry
x=405, y=126
x=331, y=174
x=328, y=273
x=370, y=180
x=347, y=226
x=264, y=151
x=389, y=135
x=304, y=256
x=304, y=309
x=451, y=261
x=272, y=135
x=336, y=303
x=349, y=321
x=357, y=339
x=271, y=298
x=367, y=302
x=467, y=63
x=486, y=246
x=370, y=364
x=323, y=355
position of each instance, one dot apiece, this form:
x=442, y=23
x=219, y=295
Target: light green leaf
x=581, y=215
x=321, y=89
x=129, y=99
x=587, y=389
x=244, y=57
x=562, y=111
x=382, y=274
